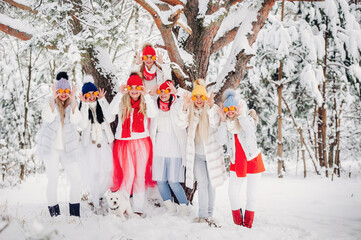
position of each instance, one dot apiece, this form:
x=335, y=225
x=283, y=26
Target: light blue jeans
x=206, y=193
x=176, y=188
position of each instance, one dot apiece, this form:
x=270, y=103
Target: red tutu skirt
x=241, y=165
x=132, y=161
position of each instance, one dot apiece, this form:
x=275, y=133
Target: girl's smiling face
x=199, y=102
x=164, y=96
x=149, y=61
x=63, y=96
x=134, y=93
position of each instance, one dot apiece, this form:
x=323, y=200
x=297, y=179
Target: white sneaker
x=170, y=206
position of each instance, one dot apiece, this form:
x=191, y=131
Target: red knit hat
x=134, y=79
x=148, y=50
x=165, y=85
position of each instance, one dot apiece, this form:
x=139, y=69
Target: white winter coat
x=180, y=133
x=85, y=124
x=246, y=135
x=114, y=108
x=213, y=150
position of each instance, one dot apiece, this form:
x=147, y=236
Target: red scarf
x=138, y=120
x=164, y=106
x=147, y=75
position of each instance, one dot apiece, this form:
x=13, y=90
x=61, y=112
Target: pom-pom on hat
x=134, y=79
x=63, y=82
x=61, y=75
x=148, y=50
x=230, y=98
x=199, y=88
x=88, y=84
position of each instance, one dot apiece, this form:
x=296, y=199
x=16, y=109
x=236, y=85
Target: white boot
x=183, y=210
x=171, y=208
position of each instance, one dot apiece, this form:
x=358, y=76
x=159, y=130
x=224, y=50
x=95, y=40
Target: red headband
x=134, y=80
x=148, y=50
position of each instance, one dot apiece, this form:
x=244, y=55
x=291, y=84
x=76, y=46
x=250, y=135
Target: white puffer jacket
x=213, y=150
x=246, y=135
x=86, y=125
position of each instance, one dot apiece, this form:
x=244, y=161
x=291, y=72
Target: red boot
x=237, y=217
x=248, y=219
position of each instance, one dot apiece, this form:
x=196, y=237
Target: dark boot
x=237, y=217
x=74, y=209
x=248, y=219
x=54, y=210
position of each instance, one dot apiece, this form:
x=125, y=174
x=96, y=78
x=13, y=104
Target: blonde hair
x=126, y=106
x=62, y=106
x=202, y=128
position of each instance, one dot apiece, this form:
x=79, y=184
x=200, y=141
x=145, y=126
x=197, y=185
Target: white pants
x=235, y=188
x=97, y=169
x=71, y=168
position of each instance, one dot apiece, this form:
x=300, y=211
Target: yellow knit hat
x=199, y=88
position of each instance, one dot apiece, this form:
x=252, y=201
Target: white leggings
x=71, y=168
x=235, y=187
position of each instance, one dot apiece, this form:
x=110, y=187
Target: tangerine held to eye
x=60, y=90
x=87, y=95
x=128, y=88
x=159, y=91
x=67, y=91
x=96, y=93
x=225, y=109
x=139, y=88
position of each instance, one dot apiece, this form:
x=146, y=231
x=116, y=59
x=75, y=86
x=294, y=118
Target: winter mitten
x=248, y=219
x=237, y=217
x=74, y=209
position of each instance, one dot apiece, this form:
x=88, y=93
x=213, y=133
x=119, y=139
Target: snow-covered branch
x=16, y=28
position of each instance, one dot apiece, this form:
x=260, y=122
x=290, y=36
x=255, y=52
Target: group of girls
x=161, y=139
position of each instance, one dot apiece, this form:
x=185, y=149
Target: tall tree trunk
x=322, y=114
x=279, y=134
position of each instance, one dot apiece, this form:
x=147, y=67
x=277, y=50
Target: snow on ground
x=289, y=208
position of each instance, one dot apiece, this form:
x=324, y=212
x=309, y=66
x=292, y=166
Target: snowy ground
x=289, y=208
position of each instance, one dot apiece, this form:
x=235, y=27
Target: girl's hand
x=187, y=101
x=53, y=97
x=239, y=109
x=102, y=93
x=210, y=100
x=123, y=88
x=72, y=94
x=221, y=113
x=153, y=92
x=55, y=94
x=173, y=90
x=160, y=55
x=138, y=57
x=82, y=97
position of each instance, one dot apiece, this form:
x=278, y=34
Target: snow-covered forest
x=297, y=63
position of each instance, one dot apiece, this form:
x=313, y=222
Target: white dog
x=119, y=204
